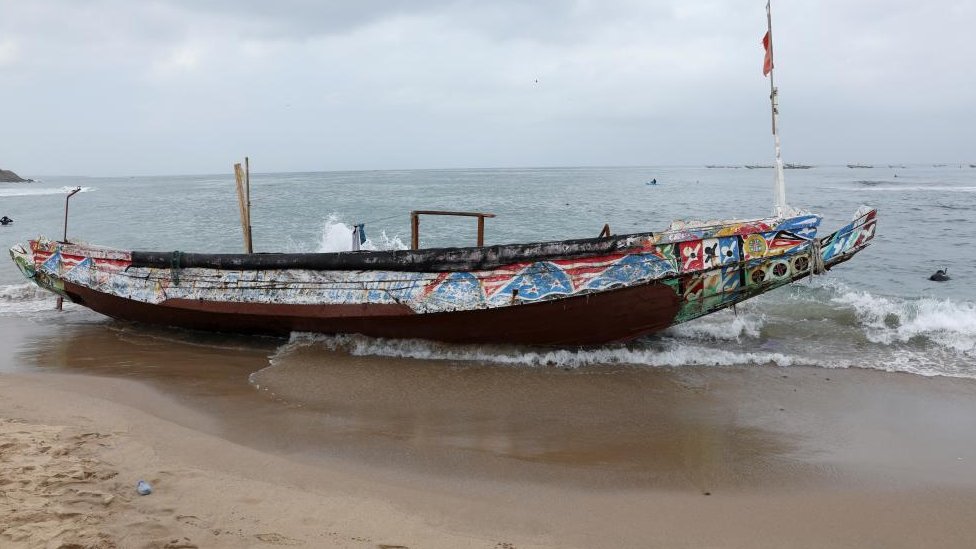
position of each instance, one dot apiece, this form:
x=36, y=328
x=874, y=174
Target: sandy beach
x=335, y=450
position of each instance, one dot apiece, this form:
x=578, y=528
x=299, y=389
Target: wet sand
x=326, y=449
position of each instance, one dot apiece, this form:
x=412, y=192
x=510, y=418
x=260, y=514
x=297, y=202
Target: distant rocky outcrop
x=7, y=176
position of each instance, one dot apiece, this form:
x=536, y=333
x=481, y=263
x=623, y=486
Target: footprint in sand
x=275, y=538
x=87, y=436
x=184, y=543
x=193, y=520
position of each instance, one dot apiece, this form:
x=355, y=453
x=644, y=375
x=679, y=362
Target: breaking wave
x=666, y=354
x=337, y=237
x=827, y=325
x=40, y=191
x=888, y=320
x=722, y=326
x=20, y=299
x=918, y=188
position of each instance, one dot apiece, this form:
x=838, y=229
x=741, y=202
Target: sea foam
x=336, y=236
x=40, y=191
x=887, y=320
x=667, y=353
x=722, y=326
x=23, y=299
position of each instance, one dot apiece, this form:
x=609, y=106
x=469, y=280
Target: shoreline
x=799, y=457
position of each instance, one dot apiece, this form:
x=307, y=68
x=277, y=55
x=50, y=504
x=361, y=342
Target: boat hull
x=568, y=293
x=593, y=319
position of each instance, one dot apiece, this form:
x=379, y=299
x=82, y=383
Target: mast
x=779, y=186
x=242, y=176
x=247, y=190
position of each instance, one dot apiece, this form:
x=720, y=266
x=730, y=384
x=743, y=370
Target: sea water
x=877, y=311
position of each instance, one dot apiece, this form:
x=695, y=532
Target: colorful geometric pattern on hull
x=710, y=266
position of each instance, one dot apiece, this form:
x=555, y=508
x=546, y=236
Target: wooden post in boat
x=247, y=186
x=415, y=224
x=414, y=230
x=242, y=177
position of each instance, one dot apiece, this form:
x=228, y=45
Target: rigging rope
x=817, y=257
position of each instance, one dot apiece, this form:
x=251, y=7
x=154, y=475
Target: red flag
x=768, y=60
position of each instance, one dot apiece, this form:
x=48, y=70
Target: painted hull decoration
x=579, y=292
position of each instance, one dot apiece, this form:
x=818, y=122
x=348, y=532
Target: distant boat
x=853, y=166
x=713, y=166
x=898, y=166
x=786, y=166
x=572, y=292
x=972, y=165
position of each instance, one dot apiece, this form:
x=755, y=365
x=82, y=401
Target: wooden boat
x=563, y=293
x=574, y=292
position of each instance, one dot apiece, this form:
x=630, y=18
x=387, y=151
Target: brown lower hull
x=592, y=319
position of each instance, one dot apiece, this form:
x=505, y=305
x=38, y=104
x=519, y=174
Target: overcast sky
x=124, y=87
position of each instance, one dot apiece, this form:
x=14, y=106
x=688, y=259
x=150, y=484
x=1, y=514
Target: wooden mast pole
x=779, y=189
x=243, y=203
x=247, y=190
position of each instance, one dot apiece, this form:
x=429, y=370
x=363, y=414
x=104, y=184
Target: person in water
x=941, y=275
x=5, y=220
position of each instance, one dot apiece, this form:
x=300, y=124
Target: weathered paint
x=708, y=266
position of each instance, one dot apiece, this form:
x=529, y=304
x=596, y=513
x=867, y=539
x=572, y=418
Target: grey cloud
x=543, y=20
x=118, y=87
